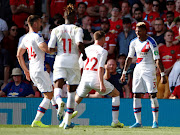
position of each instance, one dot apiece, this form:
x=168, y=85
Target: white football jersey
x=31, y=42
x=66, y=36
x=96, y=57
x=146, y=51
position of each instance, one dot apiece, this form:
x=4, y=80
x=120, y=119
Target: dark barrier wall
x=91, y=112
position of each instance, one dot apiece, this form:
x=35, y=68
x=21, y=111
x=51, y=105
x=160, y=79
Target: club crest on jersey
x=118, y=26
x=172, y=51
x=107, y=39
x=151, y=17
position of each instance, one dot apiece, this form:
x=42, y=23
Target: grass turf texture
x=86, y=130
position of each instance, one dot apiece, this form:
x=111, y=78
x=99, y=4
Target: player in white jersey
x=69, y=39
x=92, y=77
x=36, y=47
x=144, y=76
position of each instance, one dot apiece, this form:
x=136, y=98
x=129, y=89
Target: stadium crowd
x=117, y=18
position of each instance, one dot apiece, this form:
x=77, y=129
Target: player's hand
x=123, y=78
x=84, y=57
x=102, y=88
x=27, y=75
x=163, y=80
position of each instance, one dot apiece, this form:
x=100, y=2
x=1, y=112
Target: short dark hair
x=82, y=3
x=126, y=20
x=159, y=19
x=149, y=1
x=138, y=9
x=170, y=13
x=33, y=18
x=169, y=31
x=99, y=34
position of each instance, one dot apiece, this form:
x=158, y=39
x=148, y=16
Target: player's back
x=68, y=35
x=96, y=57
x=31, y=42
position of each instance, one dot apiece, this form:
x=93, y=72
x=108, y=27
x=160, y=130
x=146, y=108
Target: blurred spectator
x=178, y=6
x=21, y=9
x=159, y=30
x=138, y=16
x=5, y=10
x=125, y=10
x=149, y=15
x=88, y=34
x=134, y=6
x=168, y=56
x=17, y=88
x=55, y=7
x=110, y=39
x=115, y=21
x=3, y=29
x=10, y=43
x=170, y=17
x=103, y=11
x=155, y=7
x=45, y=26
x=121, y=62
x=176, y=31
x=81, y=11
x=114, y=78
x=170, y=5
x=125, y=37
x=4, y=67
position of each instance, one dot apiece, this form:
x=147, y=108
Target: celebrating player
x=36, y=47
x=144, y=77
x=69, y=40
x=92, y=77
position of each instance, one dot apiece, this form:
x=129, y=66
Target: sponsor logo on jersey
x=167, y=57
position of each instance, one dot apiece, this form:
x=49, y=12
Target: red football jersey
x=116, y=27
x=168, y=55
x=151, y=16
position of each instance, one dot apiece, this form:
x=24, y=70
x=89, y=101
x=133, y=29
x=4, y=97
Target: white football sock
x=137, y=109
x=155, y=108
x=53, y=102
x=42, y=109
x=70, y=107
x=115, y=108
x=57, y=96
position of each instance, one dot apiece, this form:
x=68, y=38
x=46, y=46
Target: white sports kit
x=38, y=75
x=144, y=76
x=96, y=57
x=66, y=64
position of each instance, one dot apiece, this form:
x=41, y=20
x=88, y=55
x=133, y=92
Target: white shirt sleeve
x=52, y=41
x=154, y=49
x=39, y=39
x=131, y=50
x=79, y=35
x=22, y=45
x=103, y=58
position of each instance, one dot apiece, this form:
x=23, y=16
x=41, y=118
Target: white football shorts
x=144, y=79
x=42, y=80
x=85, y=87
x=72, y=76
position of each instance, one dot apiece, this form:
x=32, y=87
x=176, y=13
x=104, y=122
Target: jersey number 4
x=31, y=53
x=91, y=60
x=64, y=44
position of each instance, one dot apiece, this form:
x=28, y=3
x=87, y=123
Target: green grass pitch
x=86, y=130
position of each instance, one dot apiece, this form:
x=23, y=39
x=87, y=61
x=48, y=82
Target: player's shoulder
x=152, y=41
x=134, y=40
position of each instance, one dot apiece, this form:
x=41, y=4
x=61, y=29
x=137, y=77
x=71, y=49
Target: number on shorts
x=31, y=53
x=64, y=45
x=91, y=60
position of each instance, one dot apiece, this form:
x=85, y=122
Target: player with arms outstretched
x=36, y=47
x=144, y=76
x=92, y=77
x=69, y=39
